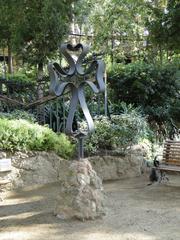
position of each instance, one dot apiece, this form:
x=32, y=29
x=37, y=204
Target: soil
x=135, y=211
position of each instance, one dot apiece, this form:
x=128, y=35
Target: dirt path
x=135, y=211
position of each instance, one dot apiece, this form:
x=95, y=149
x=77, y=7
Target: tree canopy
x=164, y=27
x=142, y=28
x=35, y=28
x=120, y=29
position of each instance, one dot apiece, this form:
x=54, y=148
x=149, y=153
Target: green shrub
x=119, y=132
x=20, y=77
x=18, y=135
x=18, y=114
x=154, y=88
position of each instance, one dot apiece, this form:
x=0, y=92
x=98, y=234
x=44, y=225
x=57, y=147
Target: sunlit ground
x=135, y=211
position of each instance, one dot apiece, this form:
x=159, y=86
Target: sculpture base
x=81, y=193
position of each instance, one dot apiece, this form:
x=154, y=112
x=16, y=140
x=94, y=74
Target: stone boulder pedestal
x=81, y=194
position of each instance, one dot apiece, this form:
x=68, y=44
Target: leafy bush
x=18, y=114
x=18, y=135
x=154, y=88
x=119, y=132
x=20, y=77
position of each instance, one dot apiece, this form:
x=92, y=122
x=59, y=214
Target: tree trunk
x=39, y=79
x=10, y=65
x=112, y=50
x=161, y=54
x=4, y=64
x=40, y=94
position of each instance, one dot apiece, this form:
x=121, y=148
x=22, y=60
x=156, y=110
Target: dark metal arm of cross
x=61, y=79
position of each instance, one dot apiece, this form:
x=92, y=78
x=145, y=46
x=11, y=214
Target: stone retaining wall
x=46, y=167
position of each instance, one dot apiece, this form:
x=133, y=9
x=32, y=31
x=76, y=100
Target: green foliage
x=127, y=30
x=154, y=88
x=63, y=147
x=173, y=111
x=119, y=132
x=40, y=28
x=118, y=26
x=20, y=78
x=34, y=29
x=6, y=18
x=18, y=135
x=18, y=114
x=164, y=25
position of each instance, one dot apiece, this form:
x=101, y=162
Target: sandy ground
x=135, y=211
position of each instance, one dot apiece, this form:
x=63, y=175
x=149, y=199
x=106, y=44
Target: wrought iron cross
x=75, y=79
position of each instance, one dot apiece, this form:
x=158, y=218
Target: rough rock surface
x=113, y=166
x=81, y=193
x=32, y=168
x=46, y=167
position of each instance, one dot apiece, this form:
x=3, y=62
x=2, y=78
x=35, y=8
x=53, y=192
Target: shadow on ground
x=135, y=211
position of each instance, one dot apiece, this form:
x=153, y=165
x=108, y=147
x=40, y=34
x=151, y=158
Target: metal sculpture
x=75, y=78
